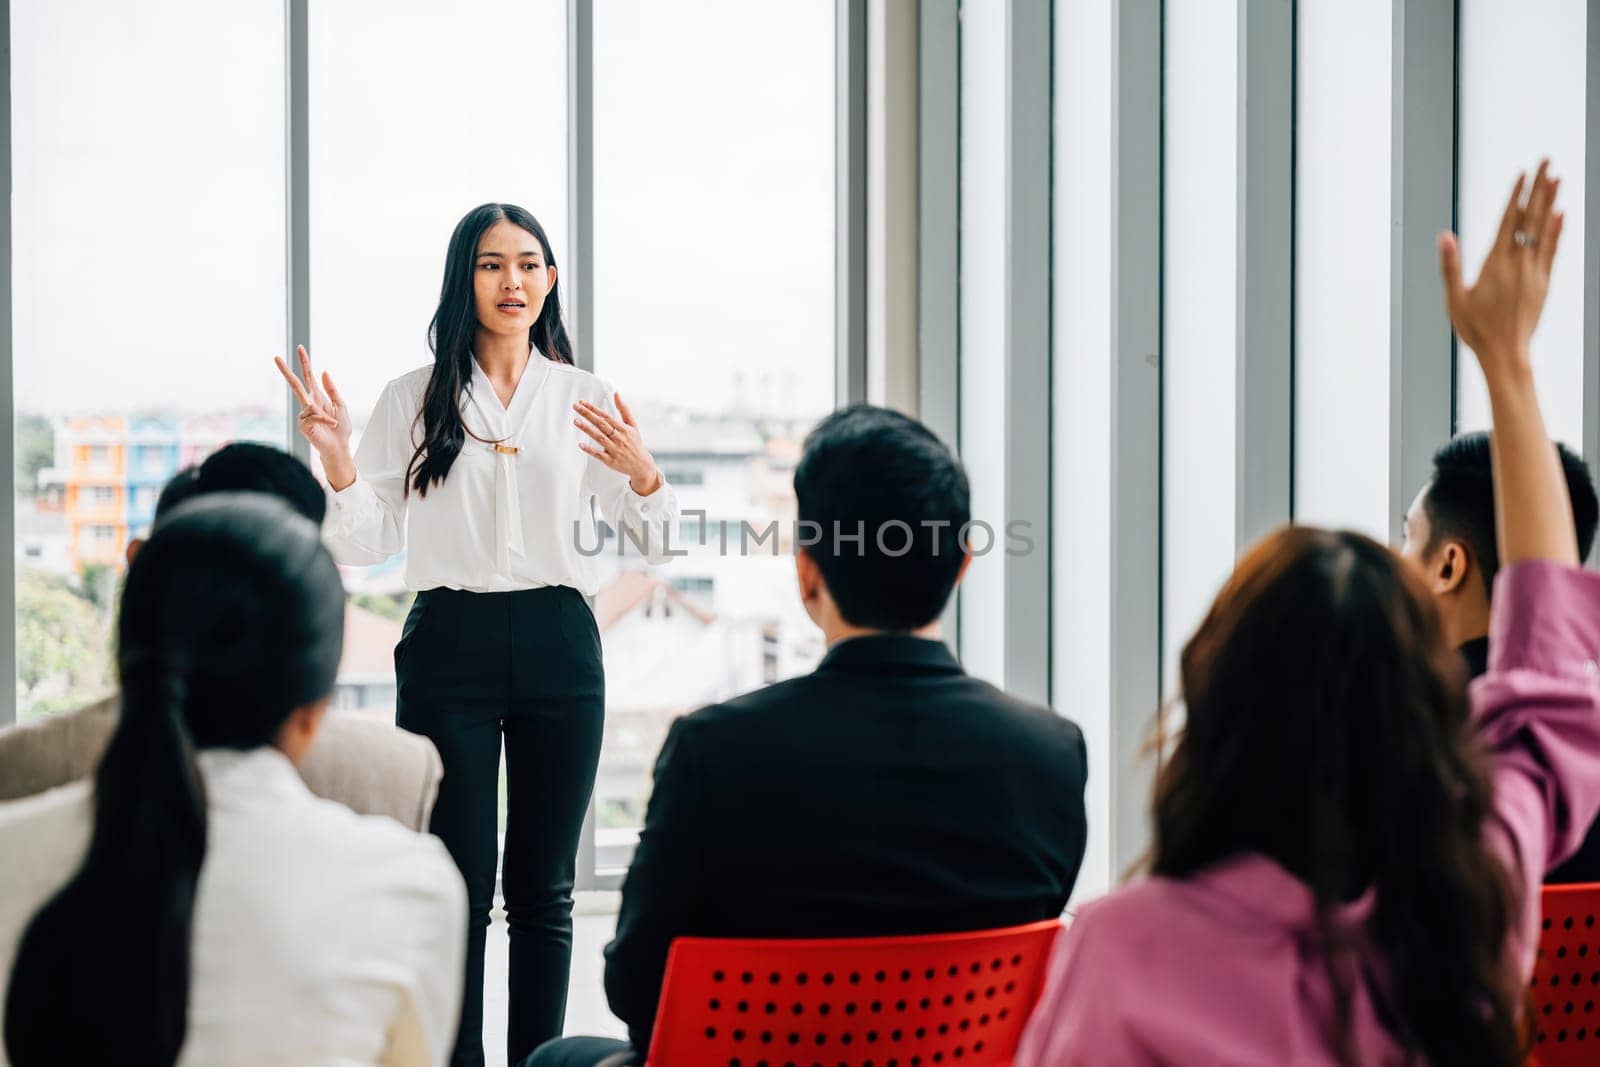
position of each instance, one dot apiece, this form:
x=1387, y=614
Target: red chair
x=866, y=1002
x=1566, y=979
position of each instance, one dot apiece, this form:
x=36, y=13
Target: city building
x=108, y=474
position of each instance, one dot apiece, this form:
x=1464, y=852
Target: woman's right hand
x=324, y=419
x=1497, y=315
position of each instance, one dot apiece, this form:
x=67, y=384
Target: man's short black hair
x=247, y=467
x=880, y=474
x=1459, y=501
x=184, y=486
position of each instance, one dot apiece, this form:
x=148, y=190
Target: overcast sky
x=149, y=196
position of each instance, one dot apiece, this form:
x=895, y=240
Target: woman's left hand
x=618, y=444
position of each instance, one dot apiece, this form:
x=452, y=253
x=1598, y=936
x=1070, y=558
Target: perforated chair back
x=859, y=1002
x=1566, y=978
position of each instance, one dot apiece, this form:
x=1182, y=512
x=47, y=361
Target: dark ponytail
x=232, y=617
x=450, y=336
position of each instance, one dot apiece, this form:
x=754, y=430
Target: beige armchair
x=366, y=764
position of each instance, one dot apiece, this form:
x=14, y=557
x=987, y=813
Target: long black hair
x=1327, y=728
x=451, y=333
x=232, y=617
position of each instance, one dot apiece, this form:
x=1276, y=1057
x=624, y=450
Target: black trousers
x=525, y=667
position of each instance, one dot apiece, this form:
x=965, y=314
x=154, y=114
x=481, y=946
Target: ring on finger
x=1524, y=239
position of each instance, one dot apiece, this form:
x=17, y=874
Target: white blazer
x=320, y=936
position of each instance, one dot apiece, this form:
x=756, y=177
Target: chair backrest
x=52, y=752
x=366, y=764
x=859, y=1002
x=1566, y=978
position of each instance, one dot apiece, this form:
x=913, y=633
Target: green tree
x=36, y=450
x=100, y=587
x=63, y=647
x=394, y=607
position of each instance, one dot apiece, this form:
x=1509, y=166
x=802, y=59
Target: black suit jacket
x=886, y=793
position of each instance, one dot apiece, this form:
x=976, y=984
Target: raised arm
x=1496, y=318
x=1538, y=708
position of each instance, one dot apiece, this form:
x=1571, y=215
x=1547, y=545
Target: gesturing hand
x=324, y=418
x=618, y=444
x=1496, y=317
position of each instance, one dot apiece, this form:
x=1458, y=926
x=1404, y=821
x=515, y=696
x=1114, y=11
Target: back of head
x=232, y=617
x=180, y=489
x=1327, y=728
x=1459, y=501
x=248, y=467
x=235, y=596
x=885, y=503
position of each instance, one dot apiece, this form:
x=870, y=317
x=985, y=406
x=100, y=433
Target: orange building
x=96, y=497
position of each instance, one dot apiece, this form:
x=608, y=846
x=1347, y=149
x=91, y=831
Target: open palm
x=1497, y=315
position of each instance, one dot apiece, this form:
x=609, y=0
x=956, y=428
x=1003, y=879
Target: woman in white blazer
x=197, y=904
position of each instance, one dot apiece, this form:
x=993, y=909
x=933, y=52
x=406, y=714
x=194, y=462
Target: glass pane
x=1342, y=267
x=148, y=291
x=1082, y=403
x=1522, y=97
x=983, y=400
x=1199, y=338
x=714, y=275
x=420, y=112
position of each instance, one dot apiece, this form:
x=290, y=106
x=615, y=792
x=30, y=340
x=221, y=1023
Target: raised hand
x=324, y=418
x=1497, y=315
x=618, y=444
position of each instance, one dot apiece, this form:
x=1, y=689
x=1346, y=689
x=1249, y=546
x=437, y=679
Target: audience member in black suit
x=885, y=793
x=1450, y=537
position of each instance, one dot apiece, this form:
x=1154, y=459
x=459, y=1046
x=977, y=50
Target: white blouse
x=501, y=520
x=320, y=936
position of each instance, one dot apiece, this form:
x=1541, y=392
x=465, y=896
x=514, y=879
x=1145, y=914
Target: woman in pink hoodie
x=1348, y=848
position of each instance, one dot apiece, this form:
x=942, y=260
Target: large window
x=1199, y=331
x=1082, y=401
x=982, y=366
x=714, y=293
x=150, y=243
x=1342, y=195
x=421, y=111
x=147, y=224
x=1516, y=106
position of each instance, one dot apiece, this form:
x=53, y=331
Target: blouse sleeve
x=366, y=520
x=1538, y=711
x=1080, y=1017
x=650, y=521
